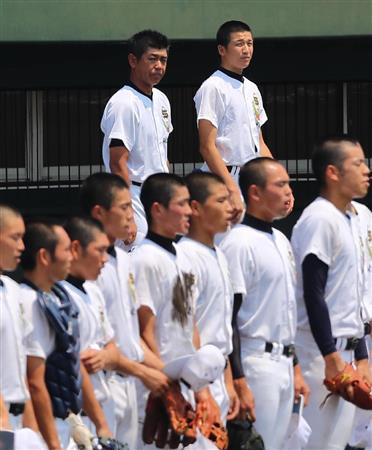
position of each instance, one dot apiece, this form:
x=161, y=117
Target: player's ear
x=253, y=193
x=332, y=173
x=76, y=249
x=221, y=50
x=156, y=210
x=97, y=212
x=43, y=257
x=195, y=208
x=132, y=60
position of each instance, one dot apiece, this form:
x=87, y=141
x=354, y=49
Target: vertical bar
x=34, y=135
x=344, y=108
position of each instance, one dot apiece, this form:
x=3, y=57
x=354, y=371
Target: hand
x=334, y=365
x=300, y=385
x=234, y=403
x=364, y=370
x=247, y=405
x=237, y=205
x=207, y=409
x=155, y=380
x=104, y=432
x=93, y=360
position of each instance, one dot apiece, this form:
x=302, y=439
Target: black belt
x=16, y=408
x=136, y=183
x=288, y=350
x=351, y=343
x=367, y=328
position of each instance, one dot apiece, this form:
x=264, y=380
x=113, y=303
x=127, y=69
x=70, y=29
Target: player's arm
x=247, y=407
x=233, y=396
x=95, y=360
x=41, y=401
x=300, y=385
x=4, y=415
x=211, y=155
x=119, y=155
x=29, y=418
x=264, y=149
x=92, y=407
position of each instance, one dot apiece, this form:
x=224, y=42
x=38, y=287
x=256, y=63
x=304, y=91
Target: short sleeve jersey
x=157, y=272
x=95, y=328
x=116, y=282
x=326, y=232
x=213, y=310
x=14, y=331
x=235, y=108
x=262, y=269
x=143, y=124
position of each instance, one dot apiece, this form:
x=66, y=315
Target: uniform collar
x=112, y=251
x=77, y=282
x=258, y=224
x=231, y=74
x=163, y=241
x=1, y=282
x=133, y=86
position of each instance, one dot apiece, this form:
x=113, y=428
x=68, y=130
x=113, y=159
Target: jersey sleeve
x=314, y=235
x=263, y=115
x=209, y=104
x=120, y=122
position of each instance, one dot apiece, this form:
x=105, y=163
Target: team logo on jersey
x=165, y=116
x=369, y=243
x=256, y=108
x=182, y=297
x=132, y=293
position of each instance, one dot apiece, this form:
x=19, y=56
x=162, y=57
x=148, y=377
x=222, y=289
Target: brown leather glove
x=208, y=420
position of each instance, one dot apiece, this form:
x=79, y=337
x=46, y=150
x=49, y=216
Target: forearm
x=265, y=151
x=150, y=358
x=111, y=353
x=4, y=416
x=212, y=157
x=29, y=419
x=228, y=376
x=121, y=169
x=235, y=356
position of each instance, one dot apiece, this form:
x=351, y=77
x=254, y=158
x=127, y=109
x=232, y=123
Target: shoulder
x=362, y=209
x=215, y=82
x=10, y=284
x=250, y=84
x=160, y=96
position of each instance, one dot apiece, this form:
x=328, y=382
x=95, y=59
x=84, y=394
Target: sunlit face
x=60, y=263
x=175, y=219
x=275, y=197
x=11, y=242
x=117, y=220
x=237, y=55
x=149, y=69
x=215, y=212
x=90, y=260
x=354, y=178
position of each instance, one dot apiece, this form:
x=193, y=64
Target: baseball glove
x=350, y=377
x=208, y=419
x=102, y=443
x=169, y=419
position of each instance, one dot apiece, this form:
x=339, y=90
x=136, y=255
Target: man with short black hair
x=230, y=112
x=137, y=120
x=330, y=289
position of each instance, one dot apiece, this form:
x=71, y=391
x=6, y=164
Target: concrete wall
x=103, y=20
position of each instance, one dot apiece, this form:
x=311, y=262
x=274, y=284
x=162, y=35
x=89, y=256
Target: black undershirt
x=77, y=282
x=111, y=251
x=231, y=74
x=162, y=241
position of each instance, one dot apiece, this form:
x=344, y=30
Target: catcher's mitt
x=208, y=419
x=169, y=419
x=350, y=377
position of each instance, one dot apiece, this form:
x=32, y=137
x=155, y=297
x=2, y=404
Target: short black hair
x=330, y=151
x=159, y=188
x=83, y=229
x=139, y=43
x=198, y=183
x=38, y=235
x=232, y=26
x=99, y=189
x=254, y=173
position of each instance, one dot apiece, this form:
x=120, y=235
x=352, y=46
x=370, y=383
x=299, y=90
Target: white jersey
x=213, y=312
x=326, y=232
x=235, y=108
x=14, y=330
x=262, y=270
x=116, y=282
x=157, y=272
x=143, y=124
x=361, y=222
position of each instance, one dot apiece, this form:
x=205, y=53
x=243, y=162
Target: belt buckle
x=352, y=343
x=277, y=351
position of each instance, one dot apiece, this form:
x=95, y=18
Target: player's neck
x=225, y=65
x=338, y=200
x=76, y=272
x=200, y=235
x=163, y=231
x=140, y=85
x=263, y=215
x=39, y=279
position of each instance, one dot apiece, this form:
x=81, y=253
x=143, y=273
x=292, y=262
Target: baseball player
x=107, y=199
x=58, y=382
x=137, y=120
x=264, y=318
x=230, y=112
x=330, y=289
x=211, y=212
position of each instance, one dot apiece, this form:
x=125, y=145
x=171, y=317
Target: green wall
x=100, y=20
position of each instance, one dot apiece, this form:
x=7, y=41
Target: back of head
x=83, y=229
x=254, y=173
x=232, y=26
x=99, y=189
x=38, y=235
x=140, y=42
x=159, y=188
x=6, y=214
x=330, y=151
x=198, y=184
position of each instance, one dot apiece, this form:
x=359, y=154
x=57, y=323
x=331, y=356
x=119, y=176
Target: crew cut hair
x=198, y=184
x=83, y=229
x=225, y=30
x=5, y=212
x=140, y=42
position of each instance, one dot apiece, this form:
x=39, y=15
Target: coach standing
x=230, y=112
x=137, y=121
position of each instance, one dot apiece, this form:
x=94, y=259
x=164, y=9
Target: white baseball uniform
x=262, y=270
x=233, y=105
x=14, y=331
x=117, y=285
x=326, y=232
x=213, y=311
x=143, y=123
